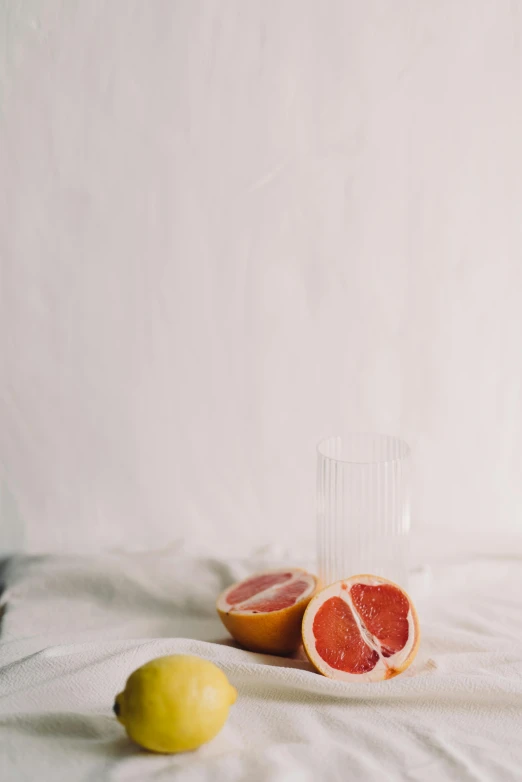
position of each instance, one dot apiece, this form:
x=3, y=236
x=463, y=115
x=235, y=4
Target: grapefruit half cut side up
x=363, y=628
x=264, y=612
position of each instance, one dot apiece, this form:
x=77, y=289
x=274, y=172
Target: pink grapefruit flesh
x=255, y=586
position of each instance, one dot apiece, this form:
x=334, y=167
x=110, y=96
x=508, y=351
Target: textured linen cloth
x=75, y=628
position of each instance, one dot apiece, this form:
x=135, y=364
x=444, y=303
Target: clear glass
x=363, y=507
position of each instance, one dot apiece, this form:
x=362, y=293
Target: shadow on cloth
x=104, y=732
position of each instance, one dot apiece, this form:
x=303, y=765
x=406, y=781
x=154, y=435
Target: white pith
x=384, y=664
x=297, y=575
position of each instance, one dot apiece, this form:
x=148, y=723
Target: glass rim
x=405, y=448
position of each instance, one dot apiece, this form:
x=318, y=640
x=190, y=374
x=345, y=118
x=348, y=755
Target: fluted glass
x=363, y=507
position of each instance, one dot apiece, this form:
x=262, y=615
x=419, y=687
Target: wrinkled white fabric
x=75, y=628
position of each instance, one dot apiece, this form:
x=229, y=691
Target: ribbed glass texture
x=363, y=507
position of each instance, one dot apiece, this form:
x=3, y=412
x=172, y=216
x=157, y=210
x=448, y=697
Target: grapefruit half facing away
x=363, y=628
x=264, y=613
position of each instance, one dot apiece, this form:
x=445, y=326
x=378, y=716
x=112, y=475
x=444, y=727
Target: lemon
x=175, y=703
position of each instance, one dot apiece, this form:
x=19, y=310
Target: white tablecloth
x=75, y=628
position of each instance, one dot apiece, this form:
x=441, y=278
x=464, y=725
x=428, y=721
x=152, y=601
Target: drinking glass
x=363, y=507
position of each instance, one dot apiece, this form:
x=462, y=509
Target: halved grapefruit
x=264, y=613
x=363, y=628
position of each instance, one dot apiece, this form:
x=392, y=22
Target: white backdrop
x=228, y=229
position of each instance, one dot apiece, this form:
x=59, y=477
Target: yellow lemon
x=175, y=703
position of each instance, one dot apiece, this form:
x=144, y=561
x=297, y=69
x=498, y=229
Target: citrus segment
x=364, y=628
x=252, y=586
x=283, y=597
x=339, y=641
x=384, y=611
x=264, y=612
